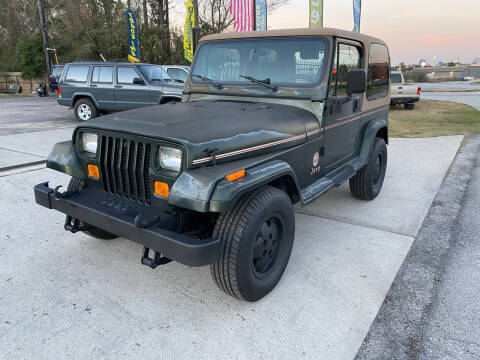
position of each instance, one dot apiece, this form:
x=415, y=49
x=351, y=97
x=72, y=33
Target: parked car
x=178, y=73
x=403, y=93
x=468, y=78
x=92, y=88
x=54, y=76
x=266, y=122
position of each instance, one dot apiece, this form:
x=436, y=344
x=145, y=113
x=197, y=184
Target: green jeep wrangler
x=268, y=119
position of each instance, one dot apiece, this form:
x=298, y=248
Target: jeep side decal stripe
x=253, y=148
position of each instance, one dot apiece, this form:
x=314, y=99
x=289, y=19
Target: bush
x=30, y=55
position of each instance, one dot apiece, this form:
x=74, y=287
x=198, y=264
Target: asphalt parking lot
x=72, y=296
x=32, y=114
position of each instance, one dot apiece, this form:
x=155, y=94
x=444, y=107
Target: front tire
x=368, y=181
x=257, y=239
x=85, y=109
x=77, y=184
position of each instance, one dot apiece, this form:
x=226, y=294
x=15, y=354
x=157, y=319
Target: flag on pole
x=316, y=13
x=188, y=31
x=242, y=12
x=133, y=49
x=357, y=13
x=260, y=15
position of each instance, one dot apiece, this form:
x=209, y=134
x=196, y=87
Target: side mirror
x=356, y=81
x=138, y=81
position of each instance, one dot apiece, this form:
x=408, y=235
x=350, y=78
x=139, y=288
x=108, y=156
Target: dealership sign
x=133, y=49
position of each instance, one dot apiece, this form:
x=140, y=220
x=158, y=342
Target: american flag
x=242, y=12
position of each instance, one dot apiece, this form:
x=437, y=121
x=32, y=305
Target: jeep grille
x=125, y=166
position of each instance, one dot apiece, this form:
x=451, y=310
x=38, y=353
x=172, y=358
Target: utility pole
x=196, y=29
x=43, y=29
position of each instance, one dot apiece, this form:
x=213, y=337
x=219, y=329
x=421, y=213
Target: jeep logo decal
x=316, y=159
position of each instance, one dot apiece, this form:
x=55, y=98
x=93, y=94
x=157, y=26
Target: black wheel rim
x=378, y=168
x=266, y=246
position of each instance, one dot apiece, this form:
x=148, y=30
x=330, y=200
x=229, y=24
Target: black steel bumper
x=117, y=216
x=404, y=100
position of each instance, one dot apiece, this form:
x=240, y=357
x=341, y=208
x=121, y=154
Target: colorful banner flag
x=357, y=14
x=133, y=49
x=242, y=12
x=316, y=13
x=260, y=14
x=188, y=31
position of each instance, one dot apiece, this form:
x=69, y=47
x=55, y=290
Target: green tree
x=30, y=56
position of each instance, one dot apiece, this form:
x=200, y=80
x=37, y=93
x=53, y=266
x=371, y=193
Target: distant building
x=476, y=60
x=422, y=63
x=441, y=73
x=473, y=70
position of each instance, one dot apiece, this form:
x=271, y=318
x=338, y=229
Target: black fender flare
x=204, y=191
x=64, y=158
x=371, y=131
x=227, y=194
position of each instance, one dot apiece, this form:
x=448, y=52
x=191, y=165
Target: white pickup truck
x=403, y=93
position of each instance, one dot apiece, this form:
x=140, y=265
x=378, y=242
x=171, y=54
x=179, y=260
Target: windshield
x=284, y=61
x=396, y=78
x=154, y=73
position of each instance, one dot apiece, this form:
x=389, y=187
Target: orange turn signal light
x=236, y=175
x=161, y=189
x=93, y=171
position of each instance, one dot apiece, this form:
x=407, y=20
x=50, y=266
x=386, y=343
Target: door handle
x=118, y=86
x=400, y=88
x=91, y=85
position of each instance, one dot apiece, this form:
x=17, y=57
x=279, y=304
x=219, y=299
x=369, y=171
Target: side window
x=347, y=58
x=102, y=74
x=177, y=74
x=378, y=72
x=77, y=73
x=125, y=75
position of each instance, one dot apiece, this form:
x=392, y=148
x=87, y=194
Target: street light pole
x=43, y=29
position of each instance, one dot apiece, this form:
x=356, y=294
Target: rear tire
x=368, y=181
x=257, y=238
x=77, y=184
x=85, y=110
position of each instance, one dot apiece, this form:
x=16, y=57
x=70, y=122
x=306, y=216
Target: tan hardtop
x=365, y=39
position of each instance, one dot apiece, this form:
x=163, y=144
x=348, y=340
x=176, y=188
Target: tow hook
x=158, y=259
x=62, y=195
x=73, y=225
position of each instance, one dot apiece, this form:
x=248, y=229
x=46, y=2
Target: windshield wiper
x=265, y=82
x=204, y=78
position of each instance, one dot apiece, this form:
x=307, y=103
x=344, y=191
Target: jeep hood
x=231, y=129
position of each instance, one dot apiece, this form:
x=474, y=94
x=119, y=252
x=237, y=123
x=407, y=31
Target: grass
x=476, y=83
x=432, y=118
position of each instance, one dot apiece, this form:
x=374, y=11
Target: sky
x=435, y=30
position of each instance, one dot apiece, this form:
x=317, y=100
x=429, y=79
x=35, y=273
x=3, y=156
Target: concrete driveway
x=71, y=296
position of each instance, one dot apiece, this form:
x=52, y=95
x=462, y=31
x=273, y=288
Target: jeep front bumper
x=121, y=217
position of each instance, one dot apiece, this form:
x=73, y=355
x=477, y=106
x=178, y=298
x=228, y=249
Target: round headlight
x=90, y=142
x=170, y=158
